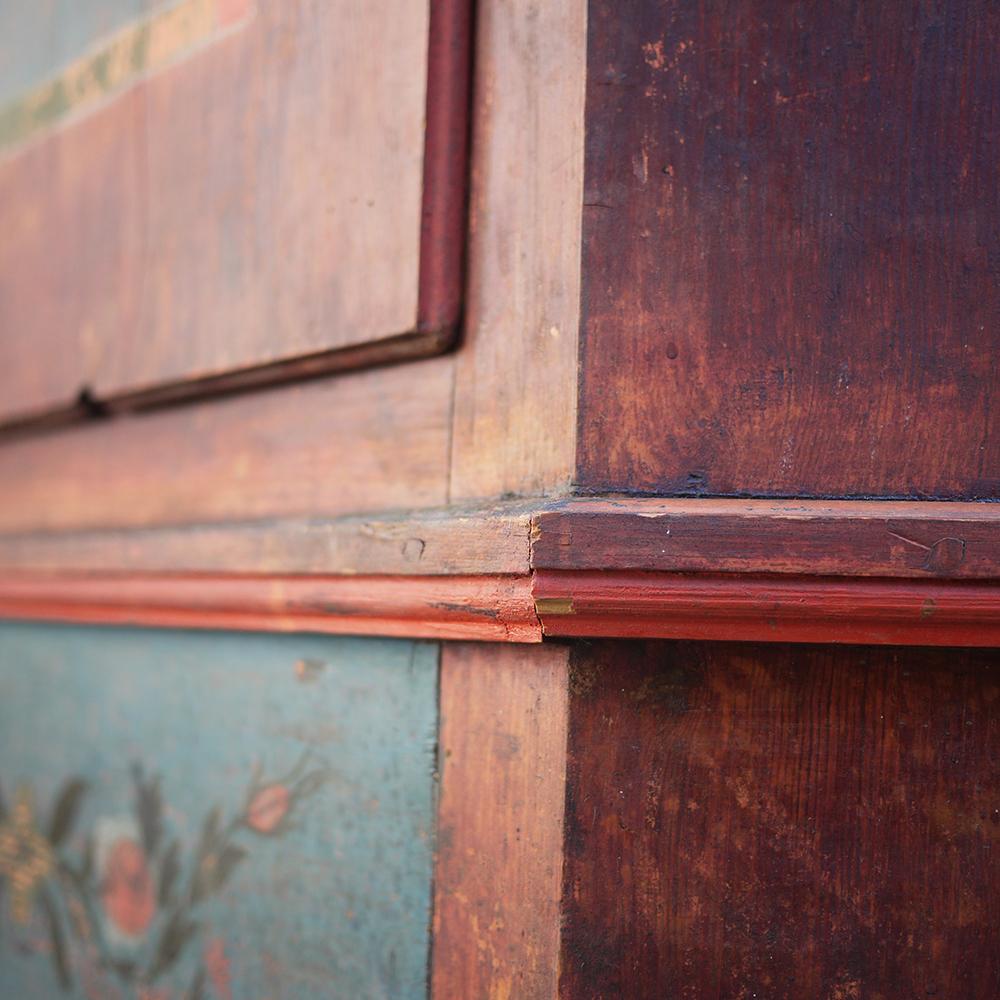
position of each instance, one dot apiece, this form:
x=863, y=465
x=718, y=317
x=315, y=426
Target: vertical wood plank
x=515, y=398
x=782, y=822
x=499, y=864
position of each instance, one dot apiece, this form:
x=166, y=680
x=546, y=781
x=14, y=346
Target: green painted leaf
x=87, y=868
x=201, y=880
x=230, y=857
x=178, y=931
x=58, y=940
x=148, y=809
x=66, y=809
x=196, y=991
x=311, y=783
x=169, y=870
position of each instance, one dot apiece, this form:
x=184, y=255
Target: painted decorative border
x=147, y=46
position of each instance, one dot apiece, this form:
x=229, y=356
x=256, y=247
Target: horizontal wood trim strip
x=389, y=350
x=493, y=608
x=823, y=538
x=368, y=441
x=768, y=609
x=435, y=542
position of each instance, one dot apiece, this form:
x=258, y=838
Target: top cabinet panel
x=791, y=248
x=202, y=188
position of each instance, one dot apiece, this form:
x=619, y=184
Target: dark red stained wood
x=791, y=248
x=495, y=608
x=827, y=538
x=768, y=609
x=781, y=822
x=446, y=150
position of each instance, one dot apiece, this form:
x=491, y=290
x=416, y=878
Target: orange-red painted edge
x=491, y=608
x=770, y=609
x=516, y=608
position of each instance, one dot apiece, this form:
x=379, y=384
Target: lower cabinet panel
x=201, y=815
x=782, y=822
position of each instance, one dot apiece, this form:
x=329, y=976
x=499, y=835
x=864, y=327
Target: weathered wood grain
x=445, y=541
x=258, y=197
x=498, y=876
x=826, y=538
x=496, y=608
x=768, y=609
x=367, y=441
x=515, y=395
x=782, y=821
x=791, y=236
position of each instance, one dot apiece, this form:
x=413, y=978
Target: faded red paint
x=268, y=808
x=217, y=966
x=128, y=894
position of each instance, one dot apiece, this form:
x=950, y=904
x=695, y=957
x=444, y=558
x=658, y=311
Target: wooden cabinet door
x=203, y=191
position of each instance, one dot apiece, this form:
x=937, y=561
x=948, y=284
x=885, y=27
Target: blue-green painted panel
x=214, y=815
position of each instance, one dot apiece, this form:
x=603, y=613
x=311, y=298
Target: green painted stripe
x=134, y=52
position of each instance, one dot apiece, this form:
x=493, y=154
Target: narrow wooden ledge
x=767, y=609
x=855, y=538
x=490, y=608
x=847, y=571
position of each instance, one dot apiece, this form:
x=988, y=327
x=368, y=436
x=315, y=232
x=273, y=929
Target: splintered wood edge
x=850, y=571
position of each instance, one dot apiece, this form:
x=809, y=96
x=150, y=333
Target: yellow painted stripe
x=135, y=51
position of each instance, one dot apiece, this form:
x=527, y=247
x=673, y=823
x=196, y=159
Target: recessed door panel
x=202, y=190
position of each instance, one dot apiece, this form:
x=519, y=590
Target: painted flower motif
x=26, y=857
x=268, y=808
x=127, y=889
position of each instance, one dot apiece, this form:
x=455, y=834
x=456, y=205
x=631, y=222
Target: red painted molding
x=785, y=572
x=769, y=609
x=446, y=174
x=493, y=608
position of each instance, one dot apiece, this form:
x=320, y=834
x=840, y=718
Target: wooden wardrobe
x=500, y=499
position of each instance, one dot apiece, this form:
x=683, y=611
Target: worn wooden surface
x=826, y=538
x=791, y=236
x=499, y=866
x=367, y=441
x=314, y=755
x=483, y=607
x=242, y=184
x=784, y=822
x=767, y=608
x=445, y=541
x=515, y=391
